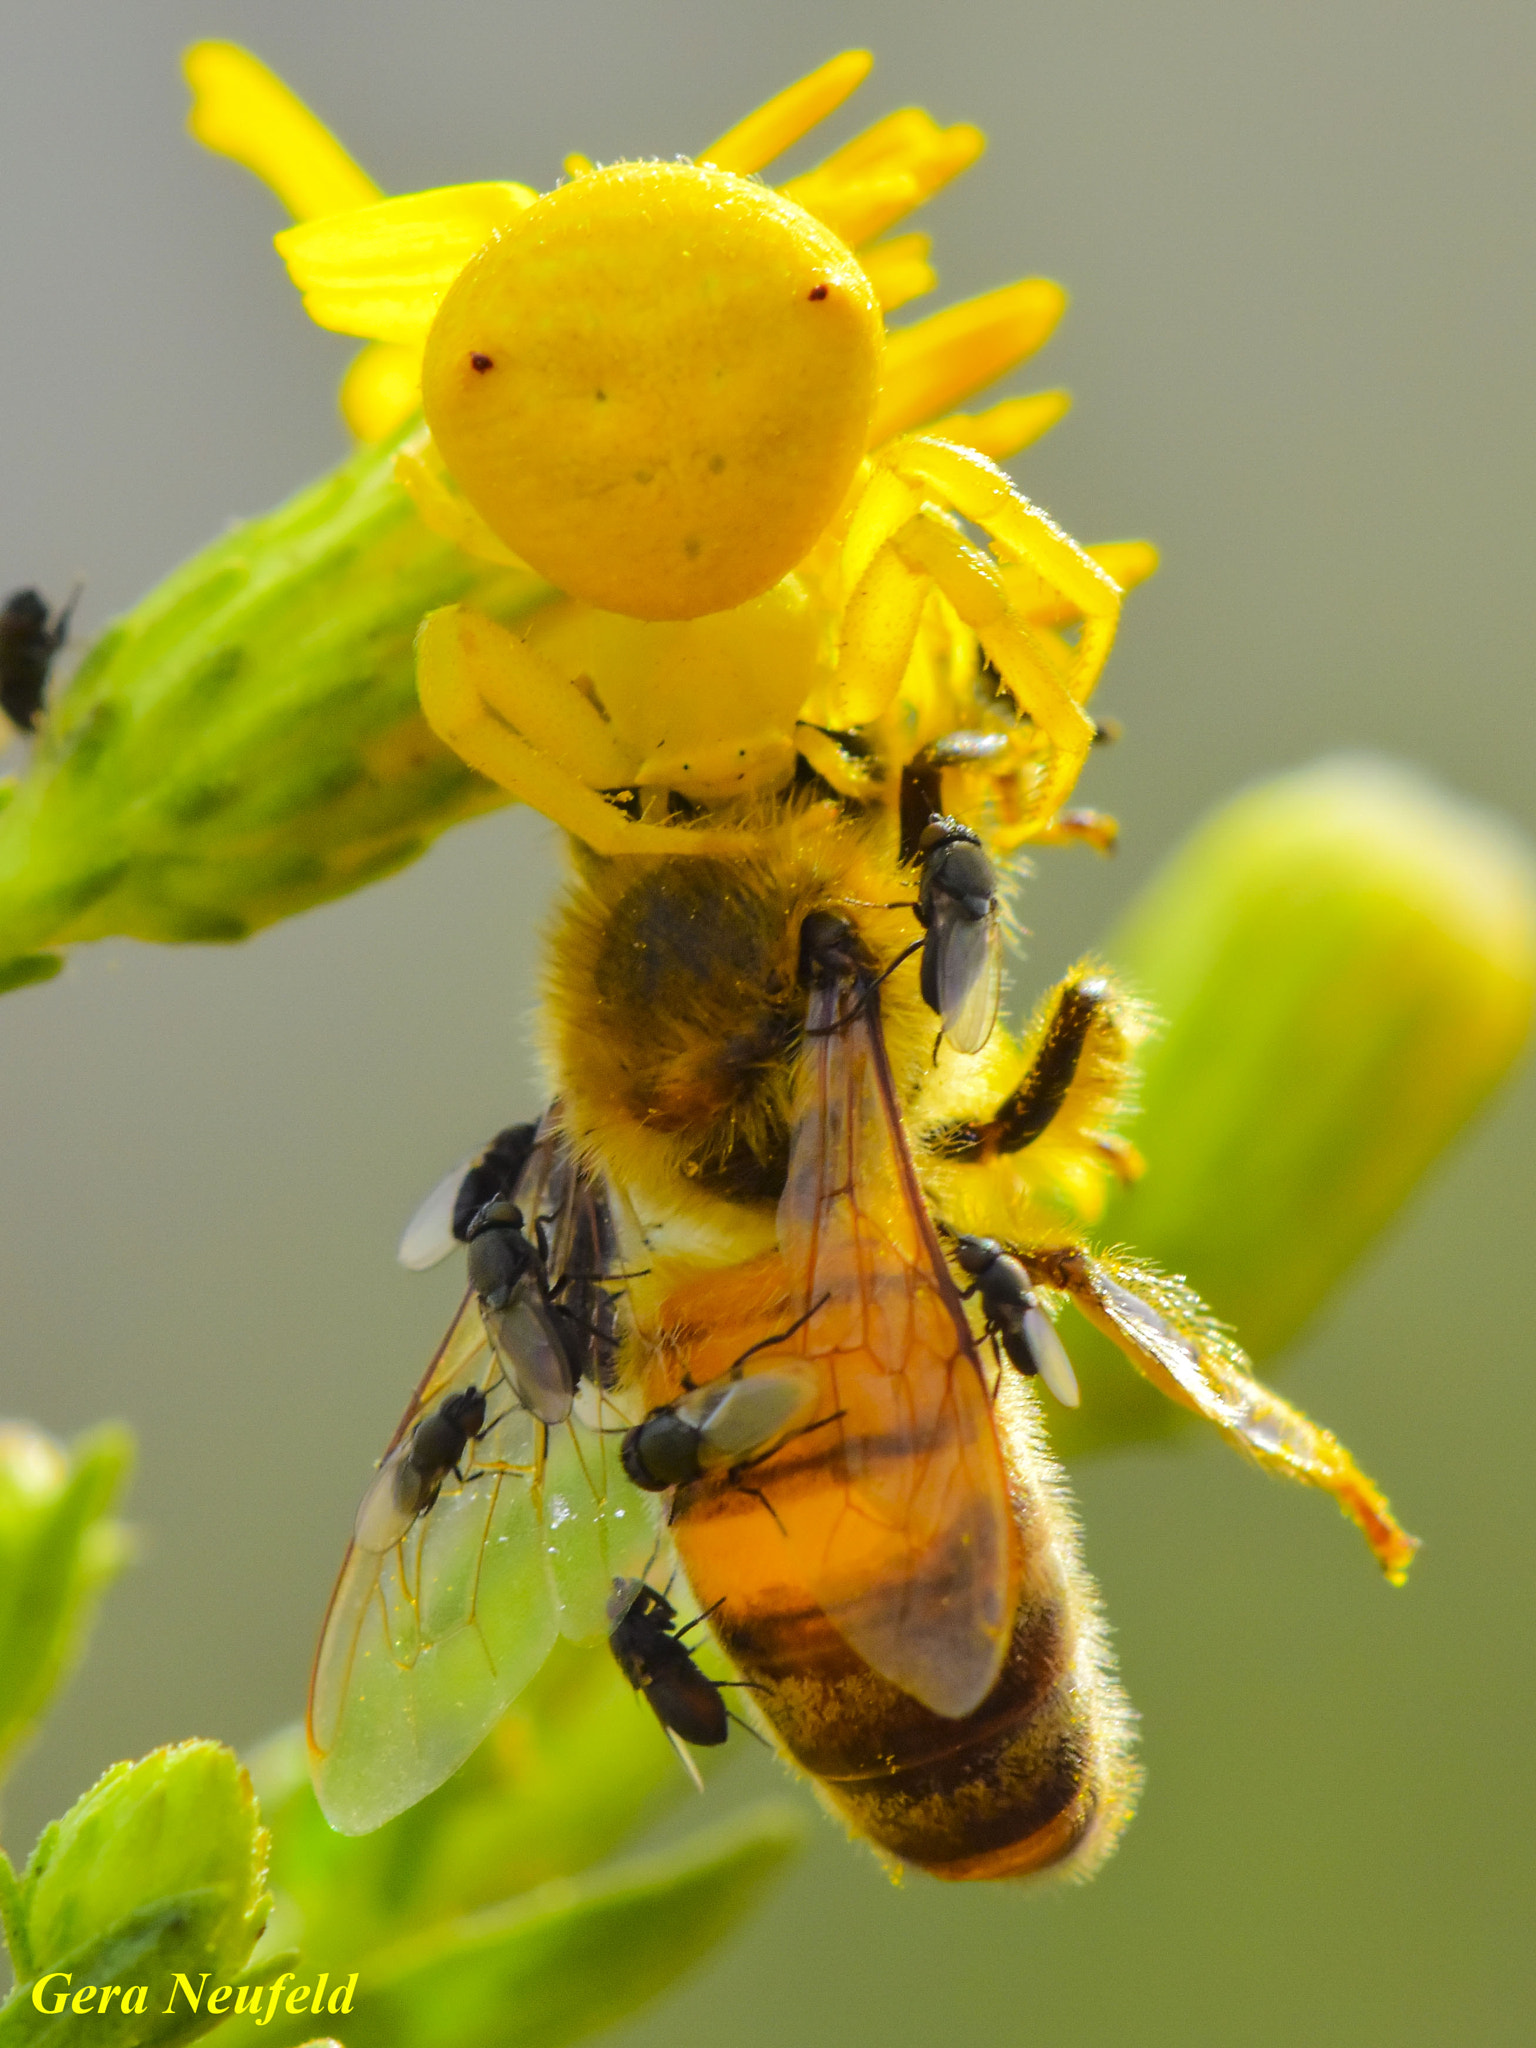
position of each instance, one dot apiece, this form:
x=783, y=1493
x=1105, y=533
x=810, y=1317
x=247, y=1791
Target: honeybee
x=772, y=672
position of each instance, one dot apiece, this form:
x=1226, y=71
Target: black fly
x=443, y=1219
x=962, y=965
x=532, y=1340
x=30, y=637
x=649, y=1649
x=412, y=1476
x=1015, y=1321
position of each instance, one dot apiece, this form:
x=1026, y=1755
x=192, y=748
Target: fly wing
x=895, y=1505
x=428, y=1238
x=970, y=976
x=390, y=1505
x=1166, y=1331
x=533, y=1355
x=429, y=1639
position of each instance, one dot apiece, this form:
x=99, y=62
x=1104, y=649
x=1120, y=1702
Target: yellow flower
x=667, y=388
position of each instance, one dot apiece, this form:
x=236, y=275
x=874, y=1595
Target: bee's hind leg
x=1082, y=1047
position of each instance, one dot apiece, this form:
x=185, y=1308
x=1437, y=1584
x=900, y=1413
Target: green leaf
x=58, y=1550
x=160, y=1868
x=568, y=1958
x=1344, y=960
x=246, y=742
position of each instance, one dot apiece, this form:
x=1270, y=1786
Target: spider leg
x=503, y=708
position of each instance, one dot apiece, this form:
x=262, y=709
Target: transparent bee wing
x=429, y=1638
x=598, y=1527
x=1168, y=1334
x=895, y=1503
x=969, y=975
x=428, y=1238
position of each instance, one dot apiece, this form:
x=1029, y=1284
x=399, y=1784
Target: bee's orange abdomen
x=1037, y=1776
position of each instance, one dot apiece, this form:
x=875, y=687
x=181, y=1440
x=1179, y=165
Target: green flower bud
x=1344, y=961
x=58, y=1550
x=155, y=1878
x=246, y=742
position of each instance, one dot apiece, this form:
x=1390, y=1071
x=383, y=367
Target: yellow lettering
x=325, y=1978
x=277, y=1992
x=254, y=1992
x=83, y=1999
x=344, y=1996
x=136, y=1998
x=42, y=1985
x=193, y=1998
x=220, y=1996
x=108, y=1993
x=297, y=1999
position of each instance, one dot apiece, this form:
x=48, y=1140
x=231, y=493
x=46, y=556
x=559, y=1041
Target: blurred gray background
x=1299, y=242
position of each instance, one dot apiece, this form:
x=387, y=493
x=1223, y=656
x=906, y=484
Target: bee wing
x=428, y=1238
x=895, y=1503
x=428, y=1639
x=968, y=976
x=1166, y=1331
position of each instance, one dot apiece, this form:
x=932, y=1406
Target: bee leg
x=1169, y=1335
x=500, y=706
x=1085, y=1023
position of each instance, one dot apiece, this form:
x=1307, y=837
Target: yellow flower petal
x=1002, y=430
x=899, y=269
x=243, y=110
x=892, y=167
x=381, y=389
x=381, y=270
x=950, y=354
x=788, y=115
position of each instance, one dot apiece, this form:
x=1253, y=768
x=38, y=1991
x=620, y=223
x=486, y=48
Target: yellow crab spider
x=667, y=389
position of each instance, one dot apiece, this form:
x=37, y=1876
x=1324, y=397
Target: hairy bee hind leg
x=505, y=710
x=1169, y=1335
x=1083, y=1044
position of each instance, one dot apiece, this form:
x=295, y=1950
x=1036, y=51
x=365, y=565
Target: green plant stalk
x=246, y=742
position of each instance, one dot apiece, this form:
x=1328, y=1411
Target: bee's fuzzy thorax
x=676, y=1006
